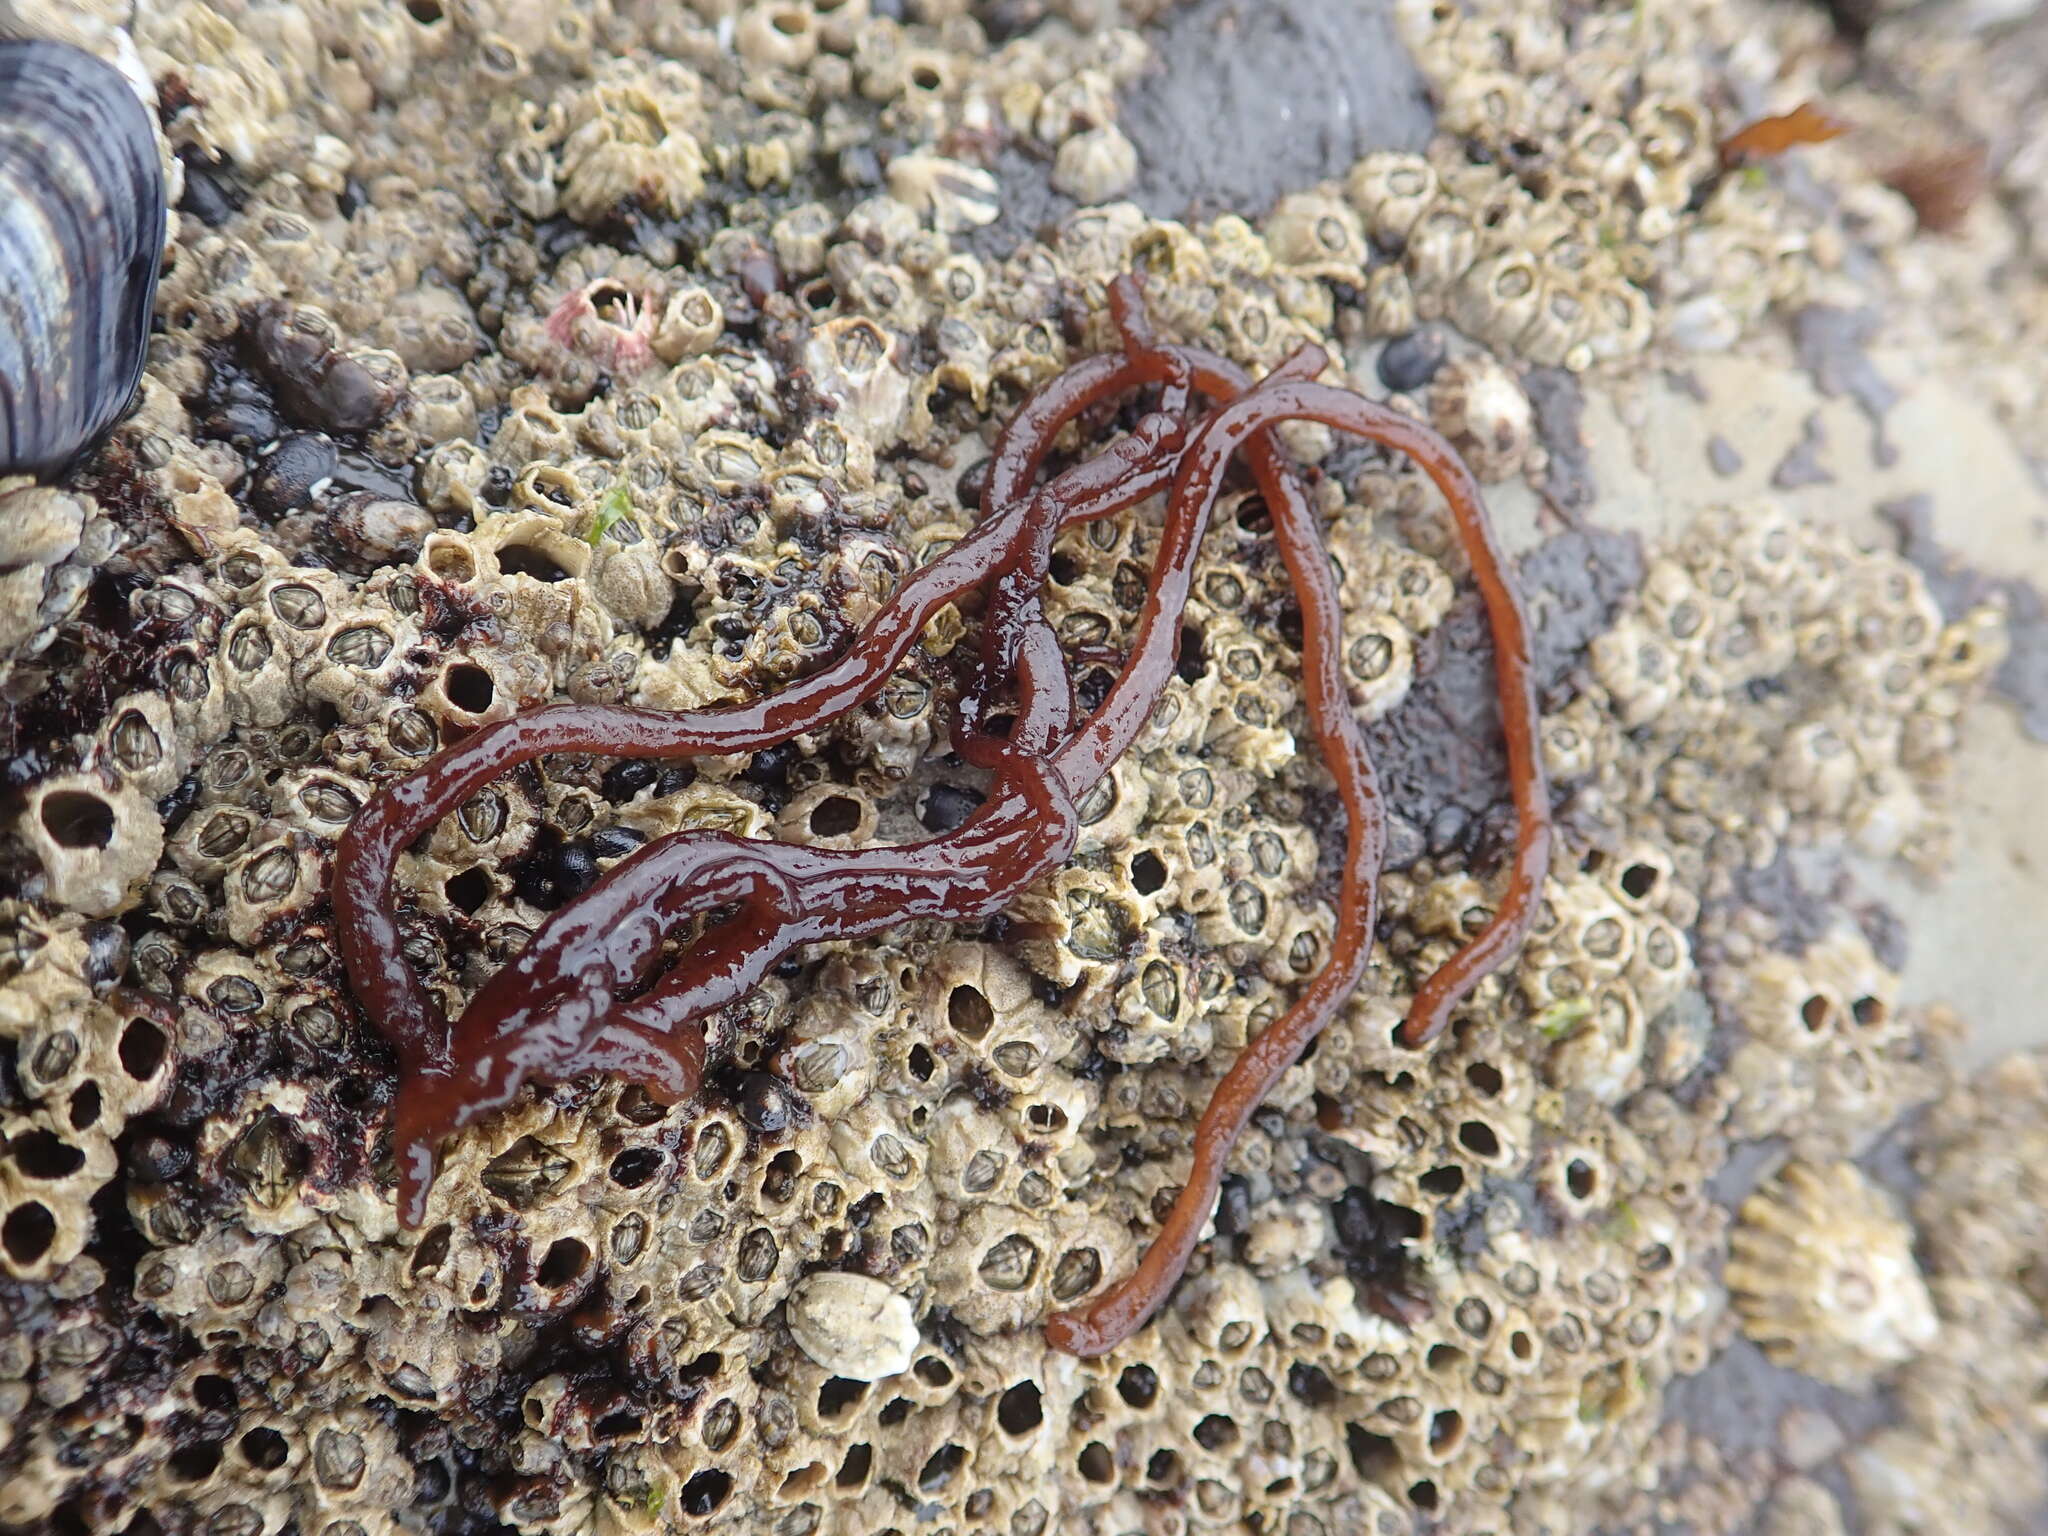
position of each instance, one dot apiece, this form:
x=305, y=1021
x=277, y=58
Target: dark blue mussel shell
x=81, y=241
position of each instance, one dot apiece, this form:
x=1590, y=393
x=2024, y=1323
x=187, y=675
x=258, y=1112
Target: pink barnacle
x=563, y=317
x=607, y=323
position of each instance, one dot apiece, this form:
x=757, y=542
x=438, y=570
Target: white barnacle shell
x=1822, y=1273
x=96, y=843
x=1497, y=298
x=1622, y=320
x=852, y=1325
x=1389, y=301
x=1557, y=337
x=777, y=36
x=630, y=142
x=1489, y=105
x=1096, y=165
x=1442, y=244
x=1392, y=191
x=1637, y=668
x=951, y=195
x=854, y=360
x=1601, y=152
x=1317, y=236
x=51, y=542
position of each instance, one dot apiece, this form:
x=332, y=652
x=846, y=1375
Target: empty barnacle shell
x=81, y=240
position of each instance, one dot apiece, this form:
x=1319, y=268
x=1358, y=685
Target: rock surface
x=633, y=352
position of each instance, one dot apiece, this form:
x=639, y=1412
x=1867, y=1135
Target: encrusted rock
x=754, y=321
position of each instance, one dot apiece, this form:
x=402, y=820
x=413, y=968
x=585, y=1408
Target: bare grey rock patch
x=1251, y=99
x=1831, y=342
x=1801, y=465
x=1560, y=406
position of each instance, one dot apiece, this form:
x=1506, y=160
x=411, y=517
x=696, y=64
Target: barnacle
x=1483, y=413
x=1822, y=1272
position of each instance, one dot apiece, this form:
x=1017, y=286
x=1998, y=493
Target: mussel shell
x=81, y=243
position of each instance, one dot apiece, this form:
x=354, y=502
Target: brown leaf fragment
x=1804, y=124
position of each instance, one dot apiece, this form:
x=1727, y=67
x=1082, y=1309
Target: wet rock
x=1204, y=119
x=1831, y=342
x=1801, y=465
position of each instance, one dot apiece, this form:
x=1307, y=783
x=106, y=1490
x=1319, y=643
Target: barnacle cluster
x=516, y=353
x=1571, y=210
x=1571, y=207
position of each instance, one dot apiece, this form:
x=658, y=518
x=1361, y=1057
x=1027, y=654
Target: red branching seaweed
x=588, y=993
x=1119, y=1312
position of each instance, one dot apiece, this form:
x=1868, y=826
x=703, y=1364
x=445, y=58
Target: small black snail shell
x=81, y=241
